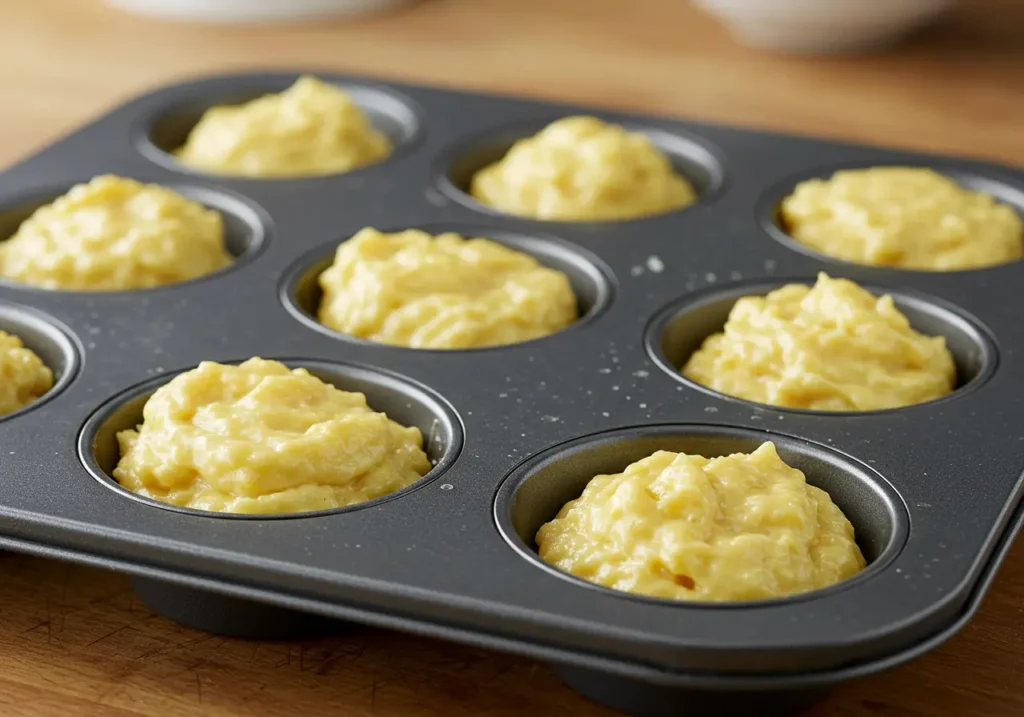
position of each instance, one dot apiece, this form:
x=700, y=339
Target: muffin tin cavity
x=167, y=129
x=536, y=490
x=49, y=340
x=590, y=278
x=16, y=210
x=769, y=206
x=246, y=226
x=404, y=401
x=692, y=158
x=679, y=329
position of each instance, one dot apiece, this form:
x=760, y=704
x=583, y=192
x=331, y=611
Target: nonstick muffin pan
x=515, y=431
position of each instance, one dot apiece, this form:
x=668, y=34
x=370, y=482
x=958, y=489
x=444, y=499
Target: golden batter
x=580, y=169
x=903, y=217
x=115, y=234
x=444, y=292
x=23, y=376
x=312, y=128
x=739, y=527
x=833, y=347
x=261, y=438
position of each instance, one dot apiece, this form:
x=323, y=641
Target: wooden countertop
x=75, y=641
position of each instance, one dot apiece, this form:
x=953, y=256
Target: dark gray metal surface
x=434, y=559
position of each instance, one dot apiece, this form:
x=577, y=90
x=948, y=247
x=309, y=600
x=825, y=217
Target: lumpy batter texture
x=312, y=128
x=739, y=527
x=115, y=234
x=262, y=438
x=830, y=347
x=441, y=292
x=24, y=378
x=903, y=217
x=580, y=168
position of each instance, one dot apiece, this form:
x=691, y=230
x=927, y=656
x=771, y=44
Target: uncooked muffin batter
x=685, y=527
x=441, y=292
x=115, y=234
x=903, y=217
x=24, y=378
x=312, y=128
x=580, y=168
x=262, y=438
x=830, y=347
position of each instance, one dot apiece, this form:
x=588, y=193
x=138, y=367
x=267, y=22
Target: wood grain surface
x=75, y=641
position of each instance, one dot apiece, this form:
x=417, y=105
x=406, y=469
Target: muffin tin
x=933, y=490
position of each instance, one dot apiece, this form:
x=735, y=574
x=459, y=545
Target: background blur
x=65, y=60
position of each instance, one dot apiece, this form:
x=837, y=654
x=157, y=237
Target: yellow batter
x=833, y=347
x=580, y=168
x=312, y=128
x=903, y=217
x=23, y=376
x=444, y=292
x=260, y=438
x=115, y=234
x=739, y=527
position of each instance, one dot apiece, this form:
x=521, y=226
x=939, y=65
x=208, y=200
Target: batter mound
x=115, y=234
x=24, y=378
x=263, y=438
x=685, y=527
x=312, y=128
x=831, y=347
x=441, y=292
x=903, y=217
x=582, y=169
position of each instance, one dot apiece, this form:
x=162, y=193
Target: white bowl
x=247, y=11
x=823, y=26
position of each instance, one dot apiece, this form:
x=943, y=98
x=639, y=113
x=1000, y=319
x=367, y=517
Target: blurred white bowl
x=246, y=11
x=822, y=26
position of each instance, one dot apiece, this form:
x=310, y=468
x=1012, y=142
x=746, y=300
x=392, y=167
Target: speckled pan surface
x=932, y=489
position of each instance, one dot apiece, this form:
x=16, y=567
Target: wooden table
x=75, y=641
